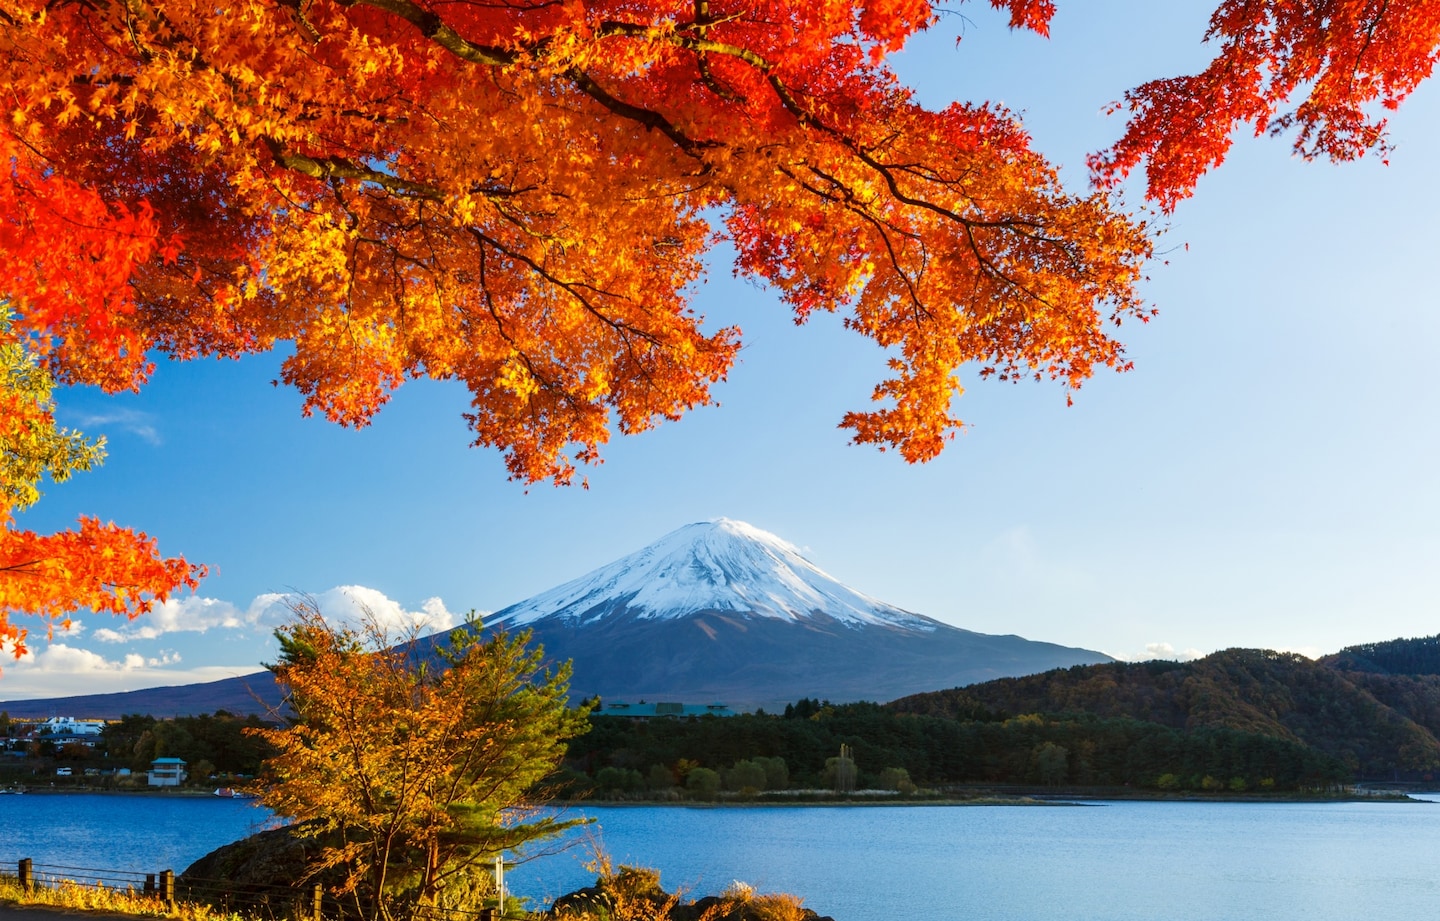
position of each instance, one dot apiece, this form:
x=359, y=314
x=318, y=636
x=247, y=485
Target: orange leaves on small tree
x=414, y=768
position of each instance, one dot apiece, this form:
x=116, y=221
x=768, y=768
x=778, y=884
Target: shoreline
x=1069, y=796
x=25, y=790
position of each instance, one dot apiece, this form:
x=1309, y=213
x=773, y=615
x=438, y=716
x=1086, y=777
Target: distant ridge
x=716, y=611
x=1382, y=726
x=1413, y=656
x=244, y=694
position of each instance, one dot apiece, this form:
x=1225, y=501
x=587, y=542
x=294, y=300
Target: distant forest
x=1419, y=656
x=210, y=745
x=1239, y=720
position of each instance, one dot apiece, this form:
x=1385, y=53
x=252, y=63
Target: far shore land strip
x=980, y=796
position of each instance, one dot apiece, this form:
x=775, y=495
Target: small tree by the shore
x=414, y=771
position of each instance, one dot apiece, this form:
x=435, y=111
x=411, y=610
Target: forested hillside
x=1378, y=725
x=1239, y=720
x=891, y=749
x=1417, y=656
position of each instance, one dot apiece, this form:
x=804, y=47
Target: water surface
x=1132, y=861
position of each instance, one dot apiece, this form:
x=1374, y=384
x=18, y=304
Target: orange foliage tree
x=99, y=567
x=1319, y=70
x=414, y=768
x=519, y=195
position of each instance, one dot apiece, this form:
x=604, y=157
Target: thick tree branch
x=327, y=168
x=434, y=28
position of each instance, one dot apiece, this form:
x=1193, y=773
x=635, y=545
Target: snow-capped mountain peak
x=720, y=565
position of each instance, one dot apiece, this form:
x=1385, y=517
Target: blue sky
x=1264, y=477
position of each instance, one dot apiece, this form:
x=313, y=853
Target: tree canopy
x=519, y=196
x=414, y=767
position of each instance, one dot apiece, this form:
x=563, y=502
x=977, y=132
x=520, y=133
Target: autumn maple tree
x=519, y=195
x=413, y=767
x=99, y=567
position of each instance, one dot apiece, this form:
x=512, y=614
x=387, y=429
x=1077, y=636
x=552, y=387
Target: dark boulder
x=632, y=892
x=268, y=870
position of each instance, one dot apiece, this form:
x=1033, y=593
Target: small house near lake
x=167, y=772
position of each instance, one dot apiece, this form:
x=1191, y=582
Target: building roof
x=643, y=710
x=168, y=761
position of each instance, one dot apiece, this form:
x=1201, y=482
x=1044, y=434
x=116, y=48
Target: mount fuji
x=723, y=611
x=720, y=566
x=717, y=611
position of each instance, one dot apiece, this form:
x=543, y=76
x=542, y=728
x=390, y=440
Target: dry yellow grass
x=74, y=895
x=780, y=906
x=630, y=894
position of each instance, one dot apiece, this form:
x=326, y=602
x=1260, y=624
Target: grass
x=626, y=894
x=70, y=894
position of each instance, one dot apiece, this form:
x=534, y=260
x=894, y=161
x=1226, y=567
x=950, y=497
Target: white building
x=167, y=772
x=68, y=726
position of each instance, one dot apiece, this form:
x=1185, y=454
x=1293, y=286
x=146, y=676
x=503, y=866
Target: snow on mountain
x=719, y=565
x=716, y=611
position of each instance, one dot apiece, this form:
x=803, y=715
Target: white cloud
x=1159, y=651
x=177, y=615
x=354, y=605
x=1167, y=651
x=345, y=604
x=130, y=420
x=62, y=658
x=62, y=670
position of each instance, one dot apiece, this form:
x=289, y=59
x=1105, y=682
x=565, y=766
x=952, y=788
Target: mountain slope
x=720, y=566
x=721, y=610
x=242, y=695
x=1276, y=694
x=714, y=611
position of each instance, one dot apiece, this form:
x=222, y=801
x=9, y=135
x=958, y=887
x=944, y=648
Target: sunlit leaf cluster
x=1322, y=72
x=98, y=567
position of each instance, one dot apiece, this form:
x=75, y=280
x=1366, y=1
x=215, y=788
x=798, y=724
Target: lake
x=1126, y=861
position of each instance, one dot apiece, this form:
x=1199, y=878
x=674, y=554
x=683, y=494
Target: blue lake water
x=1111, y=861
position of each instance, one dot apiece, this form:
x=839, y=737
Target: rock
x=737, y=911
x=640, y=894
x=268, y=870
x=270, y=874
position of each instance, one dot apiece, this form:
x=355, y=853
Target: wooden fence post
x=27, y=876
x=149, y=884
x=167, y=888
x=315, y=903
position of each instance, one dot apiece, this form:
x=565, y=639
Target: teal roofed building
x=662, y=710
x=167, y=772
